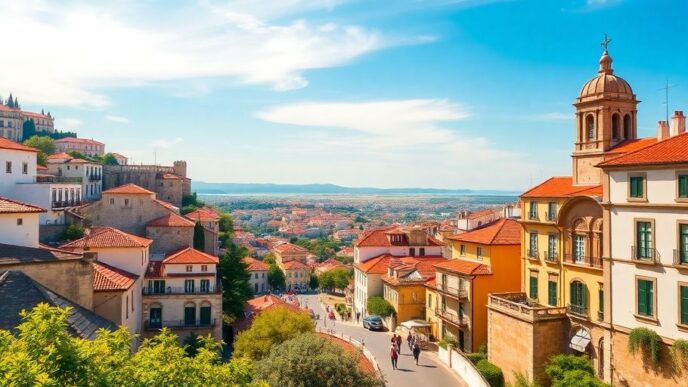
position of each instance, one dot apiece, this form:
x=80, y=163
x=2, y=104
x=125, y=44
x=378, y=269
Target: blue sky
x=386, y=93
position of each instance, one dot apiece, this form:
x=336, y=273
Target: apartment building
x=86, y=146
x=259, y=275
x=88, y=173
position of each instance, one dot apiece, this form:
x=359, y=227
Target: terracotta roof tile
x=289, y=248
x=204, y=214
x=9, y=206
x=379, y=237
x=480, y=214
x=105, y=237
x=631, y=145
x=293, y=265
x=75, y=140
x=673, y=150
x=170, y=220
x=61, y=155
x=461, y=266
x=561, y=186
x=108, y=278
x=380, y=264
x=9, y=144
x=155, y=270
x=128, y=189
x=253, y=264
x=189, y=255
x=268, y=301
x=501, y=232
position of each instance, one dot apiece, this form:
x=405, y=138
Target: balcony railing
x=180, y=290
x=452, y=291
x=680, y=258
x=580, y=260
x=551, y=216
x=518, y=304
x=64, y=204
x=178, y=324
x=644, y=254
x=551, y=256
x=451, y=317
x=578, y=310
x=532, y=216
x=532, y=254
x=94, y=177
x=58, y=179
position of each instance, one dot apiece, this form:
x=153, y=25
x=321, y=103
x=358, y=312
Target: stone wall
x=131, y=219
x=631, y=370
x=146, y=176
x=166, y=239
x=51, y=232
x=108, y=305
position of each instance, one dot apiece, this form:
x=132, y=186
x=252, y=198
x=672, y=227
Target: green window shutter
x=584, y=295
x=205, y=315
x=683, y=186
x=683, y=243
x=643, y=307
x=601, y=300
x=684, y=305
x=552, y=293
x=533, y=287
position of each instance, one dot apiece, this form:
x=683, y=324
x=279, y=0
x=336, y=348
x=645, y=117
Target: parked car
x=373, y=323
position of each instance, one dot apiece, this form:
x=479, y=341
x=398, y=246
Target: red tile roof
x=379, y=237
x=9, y=206
x=289, y=248
x=108, y=278
x=61, y=155
x=253, y=264
x=268, y=301
x=189, y=255
x=170, y=220
x=561, y=186
x=37, y=115
x=501, y=232
x=380, y=264
x=105, y=237
x=167, y=205
x=204, y=214
x=461, y=266
x=631, y=145
x=155, y=270
x=9, y=144
x=425, y=266
x=480, y=214
x=75, y=140
x=128, y=189
x=673, y=150
x=294, y=265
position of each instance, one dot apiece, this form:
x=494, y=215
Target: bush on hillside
x=491, y=373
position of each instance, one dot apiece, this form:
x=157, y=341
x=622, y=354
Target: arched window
x=615, y=126
x=190, y=314
x=205, y=311
x=579, y=298
x=590, y=127
x=627, y=130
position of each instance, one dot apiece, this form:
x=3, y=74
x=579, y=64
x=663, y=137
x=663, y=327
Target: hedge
x=491, y=373
x=475, y=357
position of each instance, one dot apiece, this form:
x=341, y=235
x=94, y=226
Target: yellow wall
x=565, y=273
x=402, y=299
x=430, y=306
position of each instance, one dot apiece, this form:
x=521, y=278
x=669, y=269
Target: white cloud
x=118, y=119
x=164, y=143
x=129, y=44
x=67, y=123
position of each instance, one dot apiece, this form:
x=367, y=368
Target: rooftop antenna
x=666, y=96
x=155, y=157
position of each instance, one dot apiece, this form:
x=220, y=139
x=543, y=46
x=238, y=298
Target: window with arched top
x=590, y=127
x=627, y=129
x=615, y=126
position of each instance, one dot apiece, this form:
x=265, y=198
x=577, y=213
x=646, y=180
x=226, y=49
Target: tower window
x=615, y=127
x=627, y=127
x=590, y=127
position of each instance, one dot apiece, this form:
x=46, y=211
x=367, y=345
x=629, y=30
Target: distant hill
x=331, y=189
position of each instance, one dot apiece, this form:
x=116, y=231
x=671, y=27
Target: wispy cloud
x=118, y=119
x=115, y=45
x=165, y=143
x=67, y=123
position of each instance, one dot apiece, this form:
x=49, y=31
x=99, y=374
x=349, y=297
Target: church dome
x=606, y=83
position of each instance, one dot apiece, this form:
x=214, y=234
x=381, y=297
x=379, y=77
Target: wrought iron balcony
x=451, y=318
x=551, y=216
x=533, y=216
x=50, y=179
x=66, y=203
x=551, y=256
x=581, y=260
x=532, y=254
x=178, y=324
x=680, y=258
x=578, y=310
x=147, y=291
x=94, y=178
x=452, y=291
x=644, y=254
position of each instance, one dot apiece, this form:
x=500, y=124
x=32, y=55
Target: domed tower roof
x=606, y=84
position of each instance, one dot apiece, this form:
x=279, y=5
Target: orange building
x=484, y=261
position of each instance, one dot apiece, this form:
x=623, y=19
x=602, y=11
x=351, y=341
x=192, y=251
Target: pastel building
x=89, y=147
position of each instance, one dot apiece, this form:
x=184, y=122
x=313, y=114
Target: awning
x=413, y=324
x=580, y=340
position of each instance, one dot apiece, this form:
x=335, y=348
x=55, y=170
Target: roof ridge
x=541, y=184
x=658, y=142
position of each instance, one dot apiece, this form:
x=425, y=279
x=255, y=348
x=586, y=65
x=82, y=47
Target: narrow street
x=428, y=371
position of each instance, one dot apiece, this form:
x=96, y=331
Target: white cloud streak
x=165, y=143
x=67, y=53
x=117, y=119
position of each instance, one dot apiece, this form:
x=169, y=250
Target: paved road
x=430, y=370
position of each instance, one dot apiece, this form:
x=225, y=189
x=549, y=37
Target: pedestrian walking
x=394, y=355
x=399, y=340
x=409, y=341
x=416, y=351
x=358, y=317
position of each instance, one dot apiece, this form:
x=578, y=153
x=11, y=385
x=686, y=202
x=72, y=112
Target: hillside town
x=580, y=280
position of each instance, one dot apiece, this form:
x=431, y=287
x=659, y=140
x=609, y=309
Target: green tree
x=326, y=281
x=341, y=278
x=45, y=146
x=236, y=288
x=73, y=232
x=379, y=306
x=572, y=371
x=310, y=360
x=44, y=353
x=28, y=129
x=276, y=278
x=271, y=327
x=199, y=237
x=313, y=282
x=269, y=258
x=109, y=159
x=226, y=223
x=191, y=343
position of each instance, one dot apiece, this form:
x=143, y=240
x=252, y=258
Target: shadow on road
x=404, y=370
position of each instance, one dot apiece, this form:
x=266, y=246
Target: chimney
x=662, y=130
x=678, y=123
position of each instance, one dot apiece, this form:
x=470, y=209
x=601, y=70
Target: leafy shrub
x=73, y=232
x=679, y=353
x=572, y=370
x=475, y=357
x=491, y=373
x=379, y=306
x=521, y=380
x=649, y=343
